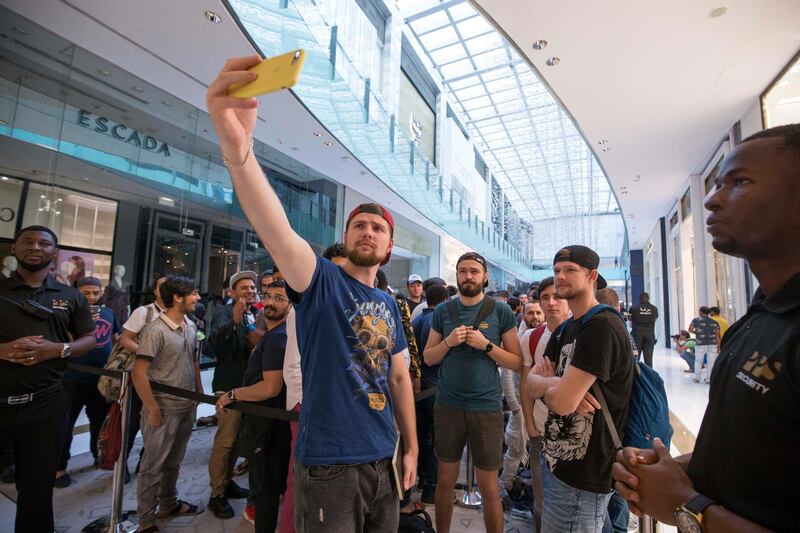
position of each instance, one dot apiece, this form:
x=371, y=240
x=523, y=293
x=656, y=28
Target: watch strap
x=698, y=504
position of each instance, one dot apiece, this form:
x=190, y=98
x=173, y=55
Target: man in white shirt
x=556, y=311
x=515, y=436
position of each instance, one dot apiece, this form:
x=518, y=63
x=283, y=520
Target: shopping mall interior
x=511, y=128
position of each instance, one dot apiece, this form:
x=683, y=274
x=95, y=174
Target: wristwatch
x=231, y=394
x=689, y=516
x=489, y=348
x=66, y=350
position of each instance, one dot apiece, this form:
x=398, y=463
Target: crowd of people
x=546, y=375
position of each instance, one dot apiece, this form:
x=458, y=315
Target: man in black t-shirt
x=43, y=323
x=743, y=473
x=266, y=441
x=578, y=449
x=643, y=322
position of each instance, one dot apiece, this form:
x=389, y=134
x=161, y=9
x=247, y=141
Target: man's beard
x=363, y=259
x=473, y=290
x=34, y=267
x=272, y=313
x=533, y=324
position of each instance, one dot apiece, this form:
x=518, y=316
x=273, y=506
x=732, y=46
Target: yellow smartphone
x=274, y=74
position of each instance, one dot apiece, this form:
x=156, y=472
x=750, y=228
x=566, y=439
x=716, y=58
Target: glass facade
x=780, y=103
x=543, y=165
x=96, y=153
x=343, y=96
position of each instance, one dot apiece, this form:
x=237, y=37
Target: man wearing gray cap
x=414, y=291
x=592, y=348
x=234, y=335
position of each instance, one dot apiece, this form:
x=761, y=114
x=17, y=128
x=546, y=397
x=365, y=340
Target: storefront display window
x=72, y=265
x=79, y=220
x=780, y=103
x=10, y=194
x=417, y=119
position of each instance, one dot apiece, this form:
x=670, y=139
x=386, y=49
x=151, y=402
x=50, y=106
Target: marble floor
x=90, y=494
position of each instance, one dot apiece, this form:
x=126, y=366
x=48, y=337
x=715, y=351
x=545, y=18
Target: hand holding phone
x=274, y=74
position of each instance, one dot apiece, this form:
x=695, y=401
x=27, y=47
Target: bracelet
x=445, y=343
x=246, y=157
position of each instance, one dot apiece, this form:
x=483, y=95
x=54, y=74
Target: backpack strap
x=601, y=399
x=533, y=340
x=452, y=310
x=487, y=308
x=149, y=317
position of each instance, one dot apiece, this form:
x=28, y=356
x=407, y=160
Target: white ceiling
x=174, y=47
x=662, y=82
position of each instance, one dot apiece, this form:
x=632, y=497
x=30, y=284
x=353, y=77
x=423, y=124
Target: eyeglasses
x=279, y=299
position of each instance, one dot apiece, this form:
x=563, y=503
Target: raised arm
x=234, y=120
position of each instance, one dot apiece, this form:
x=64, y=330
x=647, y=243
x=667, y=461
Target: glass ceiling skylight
x=536, y=154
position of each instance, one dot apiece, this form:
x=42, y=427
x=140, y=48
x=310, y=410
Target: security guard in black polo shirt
x=643, y=322
x=744, y=472
x=43, y=322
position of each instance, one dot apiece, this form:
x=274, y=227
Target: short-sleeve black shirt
x=644, y=316
x=746, y=456
x=579, y=449
x=266, y=356
x=71, y=319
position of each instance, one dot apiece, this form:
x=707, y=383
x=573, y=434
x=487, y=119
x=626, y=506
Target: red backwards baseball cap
x=374, y=209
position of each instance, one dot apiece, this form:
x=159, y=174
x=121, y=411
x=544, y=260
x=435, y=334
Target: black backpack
x=417, y=521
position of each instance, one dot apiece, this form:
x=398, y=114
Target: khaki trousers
x=224, y=453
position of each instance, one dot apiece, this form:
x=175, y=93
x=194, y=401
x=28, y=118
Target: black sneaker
x=235, y=492
x=62, y=482
x=220, y=507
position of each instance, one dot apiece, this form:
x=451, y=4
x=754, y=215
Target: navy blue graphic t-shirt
x=105, y=327
x=347, y=333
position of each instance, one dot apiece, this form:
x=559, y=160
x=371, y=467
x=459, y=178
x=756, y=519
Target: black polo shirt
x=644, y=316
x=746, y=457
x=71, y=319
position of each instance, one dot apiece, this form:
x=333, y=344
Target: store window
x=686, y=205
x=224, y=257
x=79, y=220
x=417, y=119
x=780, y=103
x=10, y=195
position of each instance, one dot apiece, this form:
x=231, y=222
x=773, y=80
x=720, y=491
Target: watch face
x=686, y=522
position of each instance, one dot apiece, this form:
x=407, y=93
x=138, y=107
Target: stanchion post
x=118, y=481
x=471, y=498
x=646, y=525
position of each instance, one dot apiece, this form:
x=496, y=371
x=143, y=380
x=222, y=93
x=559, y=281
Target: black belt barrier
x=244, y=407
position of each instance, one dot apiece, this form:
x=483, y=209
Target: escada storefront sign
x=122, y=132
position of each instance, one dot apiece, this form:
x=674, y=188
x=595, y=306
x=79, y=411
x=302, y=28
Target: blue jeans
x=618, y=515
x=567, y=509
x=689, y=357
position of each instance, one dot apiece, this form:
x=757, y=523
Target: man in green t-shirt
x=468, y=402
x=685, y=345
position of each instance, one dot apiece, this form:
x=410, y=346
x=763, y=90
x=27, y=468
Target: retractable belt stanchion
x=125, y=521
x=118, y=521
x=647, y=525
x=471, y=498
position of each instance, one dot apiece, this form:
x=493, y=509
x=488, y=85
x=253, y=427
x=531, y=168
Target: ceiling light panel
x=536, y=153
